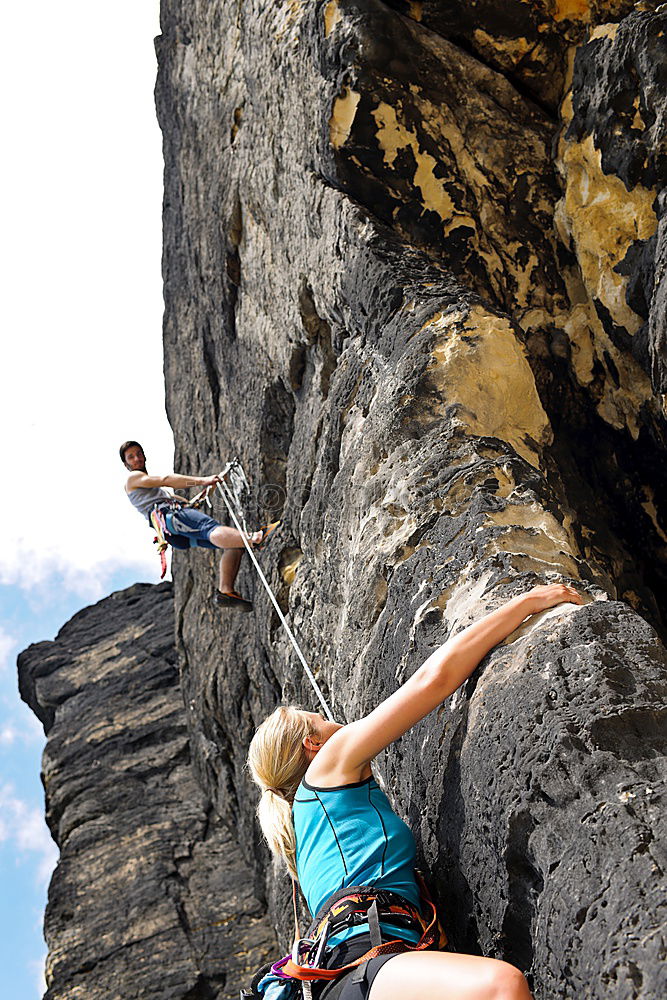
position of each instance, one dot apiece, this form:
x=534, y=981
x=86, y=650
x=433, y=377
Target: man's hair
x=128, y=444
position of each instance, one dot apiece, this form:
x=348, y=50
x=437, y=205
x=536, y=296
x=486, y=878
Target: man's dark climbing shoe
x=232, y=600
x=267, y=530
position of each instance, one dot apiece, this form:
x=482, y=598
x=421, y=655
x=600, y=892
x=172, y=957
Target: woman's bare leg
x=438, y=974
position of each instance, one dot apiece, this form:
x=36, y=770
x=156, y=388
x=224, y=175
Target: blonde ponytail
x=277, y=762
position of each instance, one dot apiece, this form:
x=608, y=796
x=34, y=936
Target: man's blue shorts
x=190, y=528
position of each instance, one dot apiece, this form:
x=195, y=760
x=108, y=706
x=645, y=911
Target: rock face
x=151, y=896
x=414, y=279
x=414, y=266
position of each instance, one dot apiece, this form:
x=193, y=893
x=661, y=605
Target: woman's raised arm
x=349, y=751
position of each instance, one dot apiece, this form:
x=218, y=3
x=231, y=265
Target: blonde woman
x=322, y=812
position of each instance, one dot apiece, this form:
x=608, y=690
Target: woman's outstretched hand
x=549, y=595
x=346, y=755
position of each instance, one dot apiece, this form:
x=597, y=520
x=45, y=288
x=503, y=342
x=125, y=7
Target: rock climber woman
x=322, y=813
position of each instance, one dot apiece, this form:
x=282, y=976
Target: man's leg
x=195, y=526
x=230, y=560
x=224, y=537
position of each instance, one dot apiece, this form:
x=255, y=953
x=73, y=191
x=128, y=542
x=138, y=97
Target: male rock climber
x=186, y=526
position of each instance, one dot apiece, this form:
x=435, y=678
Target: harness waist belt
x=167, y=506
x=352, y=906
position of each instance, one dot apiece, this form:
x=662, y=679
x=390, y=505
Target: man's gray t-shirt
x=144, y=498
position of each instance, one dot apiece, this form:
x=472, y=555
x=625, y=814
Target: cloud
x=23, y=826
x=26, y=731
x=37, y=971
x=8, y=645
x=8, y=734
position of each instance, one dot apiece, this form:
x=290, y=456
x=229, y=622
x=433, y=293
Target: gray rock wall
x=414, y=278
x=151, y=897
x=408, y=282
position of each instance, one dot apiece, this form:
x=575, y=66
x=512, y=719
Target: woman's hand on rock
x=551, y=594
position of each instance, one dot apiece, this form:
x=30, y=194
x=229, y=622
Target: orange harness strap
x=431, y=934
x=157, y=520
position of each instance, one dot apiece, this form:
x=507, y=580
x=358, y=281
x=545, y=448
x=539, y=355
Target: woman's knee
x=448, y=976
x=508, y=983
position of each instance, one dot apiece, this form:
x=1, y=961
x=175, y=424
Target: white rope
x=230, y=502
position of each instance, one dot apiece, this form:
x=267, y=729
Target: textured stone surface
x=387, y=292
x=614, y=160
x=151, y=897
x=266, y=243
x=528, y=42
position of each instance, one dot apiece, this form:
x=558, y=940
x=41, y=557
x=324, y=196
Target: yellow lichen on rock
x=621, y=398
x=620, y=406
x=570, y=10
x=602, y=220
x=481, y=367
x=286, y=18
x=475, y=178
x=507, y=51
x=604, y=31
x=288, y=565
x=332, y=16
x=532, y=552
x=638, y=122
x=476, y=172
x=525, y=284
x=577, y=325
x=392, y=137
x=534, y=534
x=650, y=508
x=440, y=320
x=342, y=116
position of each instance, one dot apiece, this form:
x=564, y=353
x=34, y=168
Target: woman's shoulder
x=325, y=776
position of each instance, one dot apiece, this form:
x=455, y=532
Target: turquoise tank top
x=350, y=835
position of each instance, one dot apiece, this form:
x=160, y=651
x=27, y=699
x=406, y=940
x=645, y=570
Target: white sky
x=82, y=300
x=81, y=363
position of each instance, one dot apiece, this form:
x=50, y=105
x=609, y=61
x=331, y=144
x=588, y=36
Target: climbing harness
x=232, y=483
x=157, y=519
x=352, y=906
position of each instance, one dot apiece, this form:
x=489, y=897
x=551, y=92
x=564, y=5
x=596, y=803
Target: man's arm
x=142, y=481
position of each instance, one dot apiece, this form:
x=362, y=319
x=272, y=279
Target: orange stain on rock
x=571, y=10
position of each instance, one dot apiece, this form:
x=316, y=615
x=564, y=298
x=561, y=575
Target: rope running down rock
x=236, y=514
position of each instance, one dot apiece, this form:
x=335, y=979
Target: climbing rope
x=234, y=472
